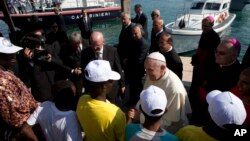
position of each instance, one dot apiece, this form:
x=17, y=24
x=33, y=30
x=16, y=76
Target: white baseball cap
x=225, y=108
x=153, y=101
x=157, y=56
x=7, y=47
x=100, y=71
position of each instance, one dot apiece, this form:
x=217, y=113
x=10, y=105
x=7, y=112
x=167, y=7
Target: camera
x=32, y=41
x=36, y=45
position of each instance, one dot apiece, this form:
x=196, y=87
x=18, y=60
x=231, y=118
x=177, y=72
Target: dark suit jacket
x=125, y=39
x=85, y=27
x=224, y=78
x=135, y=63
x=61, y=23
x=110, y=54
x=142, y=20
x=154, y=42
x=59, y=36
x=72, y=58
x=39, y=76
x=246, y=59
x=174, y=62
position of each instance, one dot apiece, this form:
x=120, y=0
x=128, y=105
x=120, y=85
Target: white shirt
x=159, y=32
x=56, y=125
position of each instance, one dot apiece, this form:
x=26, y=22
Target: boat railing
x=189, y=18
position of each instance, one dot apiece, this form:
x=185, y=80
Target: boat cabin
x=200, y=9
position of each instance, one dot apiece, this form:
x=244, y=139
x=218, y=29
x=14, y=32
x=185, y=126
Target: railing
x=187, y=17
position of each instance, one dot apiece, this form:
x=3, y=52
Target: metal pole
x=7, y=17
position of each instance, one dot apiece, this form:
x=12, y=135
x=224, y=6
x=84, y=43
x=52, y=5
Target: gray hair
x=75, y=37
x=156, y=11
x=123, y=14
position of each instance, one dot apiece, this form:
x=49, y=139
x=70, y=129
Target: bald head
x=96, y=41
x=158, y=24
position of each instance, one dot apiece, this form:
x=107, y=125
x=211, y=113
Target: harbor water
x=239, y=29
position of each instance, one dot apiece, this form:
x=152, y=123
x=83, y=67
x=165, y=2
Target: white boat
x=186, y=29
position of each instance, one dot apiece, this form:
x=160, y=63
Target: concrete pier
x=187, y=72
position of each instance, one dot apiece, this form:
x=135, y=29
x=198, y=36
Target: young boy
x=153, y=104
x=57, y=119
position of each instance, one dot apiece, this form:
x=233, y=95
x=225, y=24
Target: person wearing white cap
x=16, y=101
x=227, y=113
x=178, y=104
x=153, y=103
x=101, y=120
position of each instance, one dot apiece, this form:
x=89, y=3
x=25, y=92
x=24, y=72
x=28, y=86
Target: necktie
x=98, y=55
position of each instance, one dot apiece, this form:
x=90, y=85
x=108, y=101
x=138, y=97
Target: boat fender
x=221, y=17
x=182, y=24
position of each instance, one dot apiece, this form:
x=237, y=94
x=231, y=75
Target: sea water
x=239, y=29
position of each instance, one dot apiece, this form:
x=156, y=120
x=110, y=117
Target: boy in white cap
x=16, y=101
x=153, y=103
x=100, y=120
x=178, y=104
x=226, y=111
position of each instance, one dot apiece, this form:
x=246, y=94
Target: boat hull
x=70, y=16
x=186, y=40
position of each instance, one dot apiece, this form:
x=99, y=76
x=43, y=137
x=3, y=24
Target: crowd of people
x=55, y=87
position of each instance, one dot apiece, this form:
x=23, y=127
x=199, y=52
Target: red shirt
x=16, y=101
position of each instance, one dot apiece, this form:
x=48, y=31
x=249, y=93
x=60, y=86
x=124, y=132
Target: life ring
x=221, y=17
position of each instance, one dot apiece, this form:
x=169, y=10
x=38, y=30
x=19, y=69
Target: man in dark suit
x=141, y=19
x=135, y=65
x=173, y=60
x=125, y=37
x=71, y=57
x=36, y=65
x=85, y=25
x=98, y=50
x=59, y=20
x=155, y=34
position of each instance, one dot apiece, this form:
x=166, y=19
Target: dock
x=187, y=72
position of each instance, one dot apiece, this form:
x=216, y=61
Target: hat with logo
x=7, y=47
x=153, y=101
x=100, y=71
x=225, y=108
x=157, y=56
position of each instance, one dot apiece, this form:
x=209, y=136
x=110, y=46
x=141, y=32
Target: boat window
x=212, y=6
x=197, y=5
x=225, y=5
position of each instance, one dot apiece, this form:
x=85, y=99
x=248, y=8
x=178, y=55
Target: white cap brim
x=114, y=76
x=10, y=50
x=6, y=47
